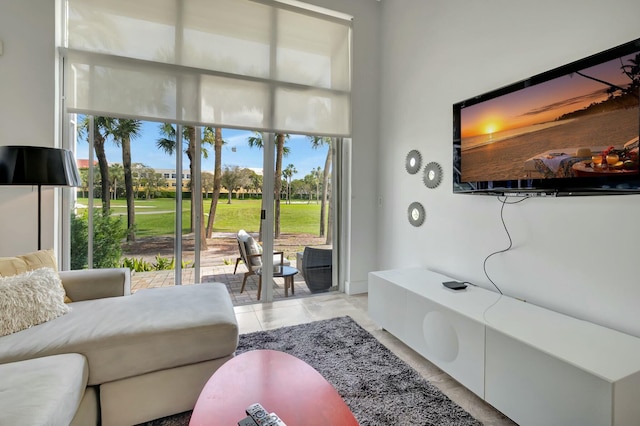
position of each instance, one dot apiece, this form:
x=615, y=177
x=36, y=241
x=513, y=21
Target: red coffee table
x=282, y=383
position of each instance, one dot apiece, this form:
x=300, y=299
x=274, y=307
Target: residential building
x=170, y=177
x=83, y=163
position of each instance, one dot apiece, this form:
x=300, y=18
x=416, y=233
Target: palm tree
x=317, y=142
x=116, y=174
x=288, y=172
x=217, y=174
x=123, y=132
x=101, y=130
x=316, y=176
x=168, y=145
x=281, y=151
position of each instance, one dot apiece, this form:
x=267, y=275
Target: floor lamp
x=37, y=165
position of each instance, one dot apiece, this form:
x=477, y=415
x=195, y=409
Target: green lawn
x=156, y=217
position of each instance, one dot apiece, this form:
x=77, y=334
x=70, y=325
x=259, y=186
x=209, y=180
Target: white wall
x=575, y=255
x=27, y=117
x=363, y=235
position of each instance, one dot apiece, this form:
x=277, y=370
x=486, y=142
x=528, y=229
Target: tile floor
x=268, y=316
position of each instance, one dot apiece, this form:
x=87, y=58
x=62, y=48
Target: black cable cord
x=484, y=265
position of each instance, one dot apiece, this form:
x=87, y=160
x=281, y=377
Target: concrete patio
x=223, y=274
x=217, y=265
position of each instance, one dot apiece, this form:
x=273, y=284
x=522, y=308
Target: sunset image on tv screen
x=585, y=123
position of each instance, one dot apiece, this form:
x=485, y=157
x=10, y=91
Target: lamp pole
x=39, y=216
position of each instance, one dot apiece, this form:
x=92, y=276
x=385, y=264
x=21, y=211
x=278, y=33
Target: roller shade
x=231, y=63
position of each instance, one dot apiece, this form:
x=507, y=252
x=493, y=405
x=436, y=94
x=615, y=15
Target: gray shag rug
x=378, y=387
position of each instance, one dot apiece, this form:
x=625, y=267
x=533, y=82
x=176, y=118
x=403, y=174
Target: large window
x=201, y=67
x=264, y=66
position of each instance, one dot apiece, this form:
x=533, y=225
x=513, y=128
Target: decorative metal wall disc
x=413, y=162
x=432, y=175
x=416, y=214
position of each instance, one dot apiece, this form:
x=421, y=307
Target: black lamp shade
x=36, y=165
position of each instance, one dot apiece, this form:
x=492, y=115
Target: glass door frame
x=267, y=214
x=69, y=135
x=339, y=198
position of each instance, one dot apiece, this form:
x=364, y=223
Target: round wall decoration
x=416, y=214
x=413, y=162
x=432, y=175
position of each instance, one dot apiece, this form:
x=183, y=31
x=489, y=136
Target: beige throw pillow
x=29, y=299
x=28, y=262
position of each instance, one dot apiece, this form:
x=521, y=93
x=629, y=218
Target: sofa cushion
x=42, y=391
x=28, y=262
x=126, y=336
x=29, y=299
x=251, y=247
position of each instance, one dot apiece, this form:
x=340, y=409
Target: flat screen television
x=572, y=130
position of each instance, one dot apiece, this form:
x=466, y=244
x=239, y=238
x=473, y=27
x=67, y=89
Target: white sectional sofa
x=116, y=358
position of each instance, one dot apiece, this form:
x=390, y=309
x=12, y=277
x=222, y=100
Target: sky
x=143, y=150
x=542, y=102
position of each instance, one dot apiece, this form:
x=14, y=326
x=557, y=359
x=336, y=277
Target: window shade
x=231, y=63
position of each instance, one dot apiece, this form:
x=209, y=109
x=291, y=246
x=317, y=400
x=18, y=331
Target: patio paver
x=217, y=264
x=223, y=274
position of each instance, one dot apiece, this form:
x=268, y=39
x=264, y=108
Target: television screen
x=572, y=128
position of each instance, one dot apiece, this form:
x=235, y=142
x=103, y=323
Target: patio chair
x=317, y=269
x=251, y=255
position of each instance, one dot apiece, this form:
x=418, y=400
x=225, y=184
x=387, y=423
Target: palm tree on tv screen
x=632, y=70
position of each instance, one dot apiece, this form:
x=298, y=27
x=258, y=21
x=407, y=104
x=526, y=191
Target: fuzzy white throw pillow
x=29, y=299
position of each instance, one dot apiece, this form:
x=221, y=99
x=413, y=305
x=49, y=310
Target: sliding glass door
x=176, y=197
x=136, y=206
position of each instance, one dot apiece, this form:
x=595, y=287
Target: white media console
x=537, y=366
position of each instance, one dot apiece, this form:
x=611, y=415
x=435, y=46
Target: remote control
x=274, y=420
x=247, y=421
x=257, y=412
x=454, y=285
x=260, y=416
